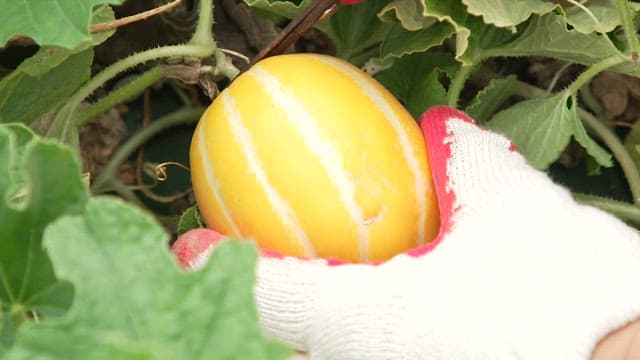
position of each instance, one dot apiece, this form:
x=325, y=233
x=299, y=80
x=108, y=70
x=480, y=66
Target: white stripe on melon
x=282, y=208
x=210, y=175
x=323, y=149
x=408, y=152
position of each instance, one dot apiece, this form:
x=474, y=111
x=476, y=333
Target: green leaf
x=465, y=25
x=508, y=13
x=409, y=14
x=472, y=34
x=591, y=166
x=25, y=98
x=489, y=99
x=61, y=126
x=400, y=42
x=355, y=28
x=102, y=14
x=287, y=9
x=548, y=36
x=63, y=23
x=132, y=300
x=39, y=182
x=190, y=219
x=599, y=17
x=414, y=80
x=43, y=81
x=48, y=57
x=595, y=151
x=7, y=330
x=541, y=128
x=43, y=61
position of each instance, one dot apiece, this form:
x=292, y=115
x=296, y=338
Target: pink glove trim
x=434, y=128
x=193, y=247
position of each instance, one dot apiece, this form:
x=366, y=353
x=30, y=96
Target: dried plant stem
x=109, y=25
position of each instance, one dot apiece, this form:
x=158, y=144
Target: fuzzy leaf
x=489, y=99
x=414, y=80
x=508, y=13
x=133, y=301
x=43, y=81
x=548, y=36
x=541, y=128
x=409, y=13
x=39, y=182
x=355, y=28
x=190, y=219
x=287, y=9
x=48, y=57
x=472, y=34
x=7, y=329
x=24, y=98
x=601, y=17
x=63, y=23
x=595, y=151
x=400, y=42
x=102, y=14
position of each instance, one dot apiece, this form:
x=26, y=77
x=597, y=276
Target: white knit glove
x=519, y=270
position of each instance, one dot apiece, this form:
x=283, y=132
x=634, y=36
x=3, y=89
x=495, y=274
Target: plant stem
x=224, y=65
x=617, y=148
x=457, y=84
x=186, y=50
x=594, y=70
x=203, y=34
x=590, y=100
x=182, y=116
x=180, y=93
x=126, y=193
x=18, y=314
x=123, y=94
x=620, y=209
x=629, y=29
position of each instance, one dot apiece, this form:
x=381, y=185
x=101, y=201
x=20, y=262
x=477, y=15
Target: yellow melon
x=311, y=157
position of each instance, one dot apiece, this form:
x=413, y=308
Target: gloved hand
x=518, y=271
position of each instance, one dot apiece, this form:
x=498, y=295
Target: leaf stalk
x=457, y=84
x=594, y=70
x=620, y=209
x=125, y=93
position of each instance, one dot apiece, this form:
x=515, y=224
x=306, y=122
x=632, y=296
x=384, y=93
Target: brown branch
x=316, y=10
x=133, y=18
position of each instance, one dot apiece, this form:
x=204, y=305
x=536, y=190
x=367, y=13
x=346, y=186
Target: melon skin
x=311, y=157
